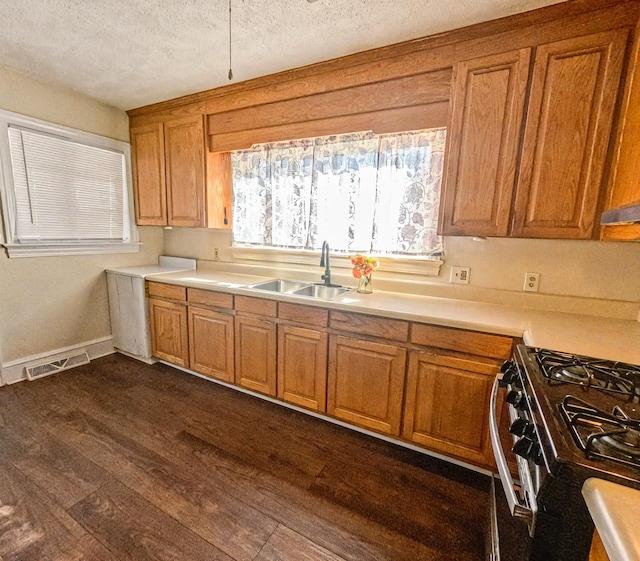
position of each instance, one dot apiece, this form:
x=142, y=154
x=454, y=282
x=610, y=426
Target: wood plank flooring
x=118, y=460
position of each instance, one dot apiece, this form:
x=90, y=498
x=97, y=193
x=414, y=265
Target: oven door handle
x=518, y=510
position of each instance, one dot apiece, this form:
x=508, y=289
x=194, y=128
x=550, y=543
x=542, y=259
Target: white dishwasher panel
x=129, y=310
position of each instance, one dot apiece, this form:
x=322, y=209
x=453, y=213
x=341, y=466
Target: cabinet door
x=169, y=333
x=219, y=190
x=302, y=367
x=573, y=94
x=488, y=97
x=366, y=383
x=211, y=343
x=185, y=169
x=447, y=406
x=147, y=160
x=625, y=189
x=256, y=354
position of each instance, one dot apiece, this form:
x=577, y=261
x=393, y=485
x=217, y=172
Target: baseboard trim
x=14, y=371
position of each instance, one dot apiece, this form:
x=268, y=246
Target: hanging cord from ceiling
x=230, y=71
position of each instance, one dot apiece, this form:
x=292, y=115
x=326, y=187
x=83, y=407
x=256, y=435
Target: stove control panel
x=523, y=426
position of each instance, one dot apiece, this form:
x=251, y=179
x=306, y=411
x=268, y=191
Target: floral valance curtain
x=360, y=192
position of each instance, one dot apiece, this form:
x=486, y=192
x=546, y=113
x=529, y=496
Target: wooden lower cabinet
x=255, y=347
x=169, y=332
x=211, y=343
x=366, y=383
x=598, y=552
x=437, y=397
x=302, y=367
x=447, y=405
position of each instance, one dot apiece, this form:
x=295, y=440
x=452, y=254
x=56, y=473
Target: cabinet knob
x=226, y=221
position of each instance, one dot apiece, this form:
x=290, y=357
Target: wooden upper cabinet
x=625, y=184
x=147, y=148
x=176, y=181
x=487, y=106
x=219, y=197
x=572, y=99
x=185, y=171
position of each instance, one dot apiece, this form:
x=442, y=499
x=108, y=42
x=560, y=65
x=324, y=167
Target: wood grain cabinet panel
x=447, y=404
x=625, y=183
x=211, y=348
x=366, y=383
x=185, y=171
x=176, y=183
x=571, y=107
x=302, y=367
x=462, y=340
x=168, y=291
x=255, y=343
x=169, y=331
x=149, y=188
x=488, y=96
x=386, y=328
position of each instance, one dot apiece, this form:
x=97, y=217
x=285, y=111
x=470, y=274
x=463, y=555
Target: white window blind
x=66, y=191
x=63, y=191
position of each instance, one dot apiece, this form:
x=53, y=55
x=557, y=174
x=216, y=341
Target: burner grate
x=590, y=373
x=610, y=436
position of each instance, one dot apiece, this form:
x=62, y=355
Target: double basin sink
x=313, y=290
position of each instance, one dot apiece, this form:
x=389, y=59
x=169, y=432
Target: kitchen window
x=63, y=191
x=361, y=192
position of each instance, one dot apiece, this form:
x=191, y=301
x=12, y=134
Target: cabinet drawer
x=257, y=306
x=392, y=329
x=472, y=342
x=303, y=314
x=209, y=298
x=170, y=291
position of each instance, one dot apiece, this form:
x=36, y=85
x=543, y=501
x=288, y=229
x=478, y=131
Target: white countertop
x=166, y=264
x=610, y=338
x=615, y=510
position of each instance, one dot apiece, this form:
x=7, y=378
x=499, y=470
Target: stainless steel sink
x=280, y=285
x=322, y=291
x=299, y=288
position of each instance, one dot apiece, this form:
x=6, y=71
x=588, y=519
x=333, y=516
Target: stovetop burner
x=612, y=436
x=591, y=373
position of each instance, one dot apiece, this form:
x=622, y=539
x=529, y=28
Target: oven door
x=514, y=505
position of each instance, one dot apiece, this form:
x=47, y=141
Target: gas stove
x=604, y=375
x=572, y=417
x=591, y=408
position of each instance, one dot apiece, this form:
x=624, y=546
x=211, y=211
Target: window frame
x=15, y=248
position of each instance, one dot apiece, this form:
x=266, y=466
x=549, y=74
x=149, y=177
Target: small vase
x=364, y=284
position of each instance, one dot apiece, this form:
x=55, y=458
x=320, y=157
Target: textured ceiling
x=129, y=53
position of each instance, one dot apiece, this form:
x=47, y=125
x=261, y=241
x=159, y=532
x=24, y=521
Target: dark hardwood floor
x=117, y=460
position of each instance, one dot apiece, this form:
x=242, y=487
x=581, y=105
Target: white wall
x=49, y=303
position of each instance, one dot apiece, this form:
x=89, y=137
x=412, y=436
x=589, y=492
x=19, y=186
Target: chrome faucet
x=324, y=262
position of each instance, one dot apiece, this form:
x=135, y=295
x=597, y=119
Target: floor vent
x=36, y=371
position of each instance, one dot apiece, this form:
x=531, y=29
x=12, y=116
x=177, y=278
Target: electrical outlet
x=460, y=275
x=531, y=282
x=216, y=253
